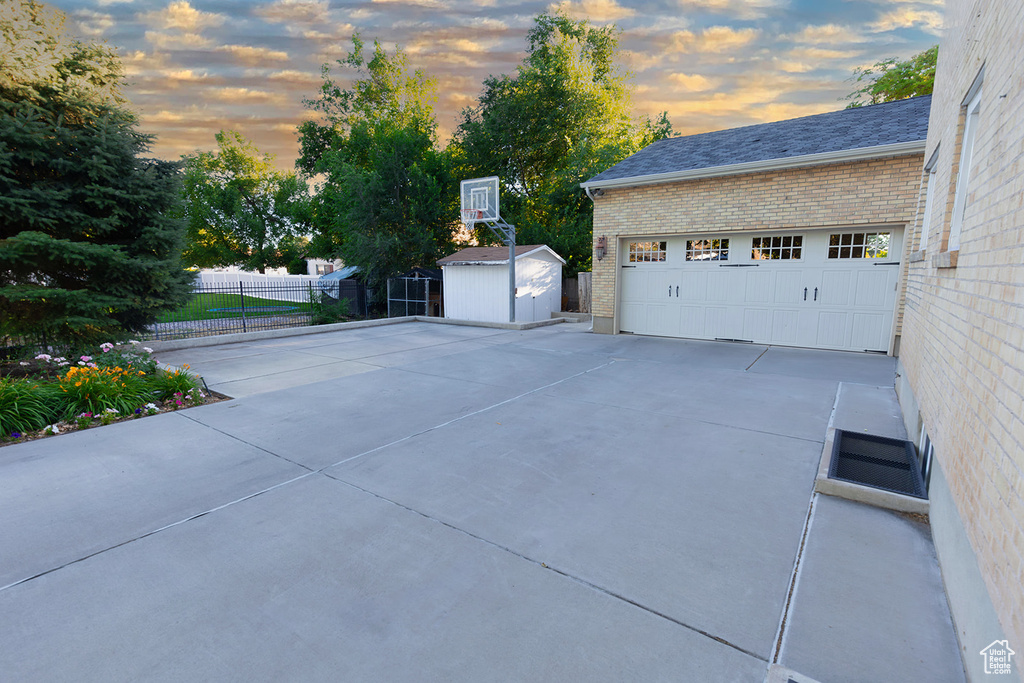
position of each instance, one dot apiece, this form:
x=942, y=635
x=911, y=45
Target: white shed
x=476, y=283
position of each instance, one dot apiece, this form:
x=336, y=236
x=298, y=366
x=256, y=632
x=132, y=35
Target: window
x=777, y=247
x=963, y=176
x=647, y=252
x=322, y=269
x=859, y=245
x=707, y=250
x=929, y=200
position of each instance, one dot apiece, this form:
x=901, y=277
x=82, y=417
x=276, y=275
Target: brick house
x=771, y=233
x=961, y=364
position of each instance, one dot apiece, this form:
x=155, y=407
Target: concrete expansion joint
x=794, y=582
x=543, y=565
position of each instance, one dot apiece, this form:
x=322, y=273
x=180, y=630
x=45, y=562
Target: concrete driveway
x=431, y=502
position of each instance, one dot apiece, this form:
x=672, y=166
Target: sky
x=195, y=67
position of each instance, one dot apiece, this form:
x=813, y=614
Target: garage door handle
x=815, y=293
x=805, y=294
x=670, y=290
x=677, y=290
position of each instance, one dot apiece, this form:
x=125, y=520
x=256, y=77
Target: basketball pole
x=512, y=278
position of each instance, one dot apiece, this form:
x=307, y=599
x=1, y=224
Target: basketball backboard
x=480, y=199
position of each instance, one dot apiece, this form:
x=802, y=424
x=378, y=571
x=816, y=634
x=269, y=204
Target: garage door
x=832, y=289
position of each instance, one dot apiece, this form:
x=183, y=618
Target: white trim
x=504, y=261
x=963, y=175
x=859, y=154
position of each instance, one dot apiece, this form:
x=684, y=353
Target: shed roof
x=492, y=255
x=873, y=131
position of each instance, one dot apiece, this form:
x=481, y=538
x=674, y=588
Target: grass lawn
x=216, y=306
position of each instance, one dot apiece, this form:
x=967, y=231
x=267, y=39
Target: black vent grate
x=876, y=461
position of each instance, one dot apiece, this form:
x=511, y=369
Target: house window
x=859, y=245
x=929, y=200
x=963, y=176
x=647, y=252
x=322, y=269
x=777, y=247
x=707, y=250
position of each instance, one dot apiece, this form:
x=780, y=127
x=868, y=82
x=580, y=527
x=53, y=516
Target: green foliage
x=95, y=390
x=326, y=309
x=891, y=79
x=562, y=118
x=88, y=244
x=239, y=208
x=388, y=199
x=25, y=406
x=170, y=384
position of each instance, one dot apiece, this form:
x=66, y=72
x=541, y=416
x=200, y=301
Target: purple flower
x=15, y=435
x=138, y=411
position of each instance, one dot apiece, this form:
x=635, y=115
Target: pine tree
x=89, y=247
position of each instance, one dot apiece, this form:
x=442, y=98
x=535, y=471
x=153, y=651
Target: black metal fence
x=224, y=308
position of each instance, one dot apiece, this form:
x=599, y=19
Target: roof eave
x=858, y=154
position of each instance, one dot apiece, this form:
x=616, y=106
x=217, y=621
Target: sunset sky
x=199, y=66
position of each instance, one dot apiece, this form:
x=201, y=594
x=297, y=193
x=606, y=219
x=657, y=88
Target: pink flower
x=86, y=358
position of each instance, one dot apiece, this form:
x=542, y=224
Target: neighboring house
x=788, y=233
x=317, y=266
x=961, y=364
x=476, y=283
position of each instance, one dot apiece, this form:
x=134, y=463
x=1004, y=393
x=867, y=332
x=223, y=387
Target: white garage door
x=833, y=289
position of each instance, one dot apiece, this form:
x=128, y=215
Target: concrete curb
x=239, y=337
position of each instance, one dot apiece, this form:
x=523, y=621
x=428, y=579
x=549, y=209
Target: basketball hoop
x=471, y=216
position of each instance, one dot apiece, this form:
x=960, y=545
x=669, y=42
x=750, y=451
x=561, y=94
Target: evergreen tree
x=88, y=245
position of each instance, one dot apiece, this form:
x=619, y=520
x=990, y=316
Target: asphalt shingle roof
x=480, y=254
x=849, y=129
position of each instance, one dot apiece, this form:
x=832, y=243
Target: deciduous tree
x=565, y=116
x=892, y=79
x=386, y=201
x=239, y=207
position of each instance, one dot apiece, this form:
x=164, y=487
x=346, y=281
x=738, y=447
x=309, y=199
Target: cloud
x=245, y=96
x=92, y=23
x=296, y=78
x=182, y=16
x=713, y=39
x=295, y=11
x=928, y=21
x=820, y=54
x=253, y=56
x=693, y=82
x=177, y=41
x=433, y=4
x=826, y=33
x=599, y=11
x=734, y=9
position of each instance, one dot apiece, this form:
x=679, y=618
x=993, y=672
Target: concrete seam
x=156, y=531
x=467, y=415
x=794, y=582
x=692, y=419
x=561, y=572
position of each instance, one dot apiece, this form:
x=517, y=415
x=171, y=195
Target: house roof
x=478, y=256
x=873, y=131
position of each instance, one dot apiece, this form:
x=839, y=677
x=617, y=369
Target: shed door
x=833, y=289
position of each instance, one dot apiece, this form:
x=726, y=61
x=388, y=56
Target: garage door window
x=647, y=252
x=777, y=247
x=858, y=245
x=707, y=250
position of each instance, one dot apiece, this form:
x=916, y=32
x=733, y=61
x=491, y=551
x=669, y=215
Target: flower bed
x=49, y=395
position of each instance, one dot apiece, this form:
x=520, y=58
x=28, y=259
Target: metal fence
x=414, y=296
x=250, y=306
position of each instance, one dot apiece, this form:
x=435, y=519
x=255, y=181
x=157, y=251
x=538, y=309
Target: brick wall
x=963, y=334
x=879, y=191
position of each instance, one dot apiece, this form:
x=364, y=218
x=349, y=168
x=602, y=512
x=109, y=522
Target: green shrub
x=26, y=406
